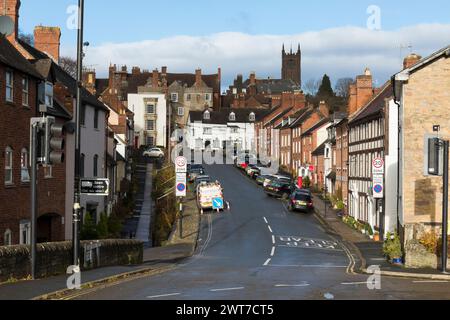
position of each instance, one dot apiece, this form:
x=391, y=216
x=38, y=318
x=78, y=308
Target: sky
x=338, y=37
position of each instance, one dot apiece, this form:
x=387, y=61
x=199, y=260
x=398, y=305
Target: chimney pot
x=411, y=60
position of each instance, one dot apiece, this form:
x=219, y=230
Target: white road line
x=292, y=285
x=273, y=252
x=273, y=239
x=353, y=283
x=307, y=266
x=267, y=262
x=265, y=220
x=270, y=229
x=227, y=289
x=164, y=295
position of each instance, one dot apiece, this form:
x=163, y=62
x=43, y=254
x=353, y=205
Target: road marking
x=273, y=239
x=353, y=283
x=164, y=295
x=267, y=262
x=265, y=220
x=292, y=285
x=328, y=296
x=227, y=289
x=307, y=266
x=431, y=281
x=270, y=229
x=273, y=252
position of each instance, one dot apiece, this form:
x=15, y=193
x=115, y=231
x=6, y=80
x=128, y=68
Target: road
x=260, y=251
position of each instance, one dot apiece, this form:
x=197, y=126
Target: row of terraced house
x=393, y=122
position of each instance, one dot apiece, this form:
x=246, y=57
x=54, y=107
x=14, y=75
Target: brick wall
x=54, y=258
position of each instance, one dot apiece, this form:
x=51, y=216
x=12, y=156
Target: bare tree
x=69, y=65
x=342, y=87
x=27, y=38
x=312, y=86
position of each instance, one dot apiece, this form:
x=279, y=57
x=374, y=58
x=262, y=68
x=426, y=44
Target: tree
x=102, y=227
x=27, y=38
x=325, y=90
x=343, y=87
x=88, y=229
x=69, y=65
x=311, y=86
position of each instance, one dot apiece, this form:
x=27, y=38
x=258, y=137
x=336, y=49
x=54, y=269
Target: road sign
x=378, y=187
x=95, y=187
x=218, y=203
x=378, y=166
x=181, y=185
x=180, y=165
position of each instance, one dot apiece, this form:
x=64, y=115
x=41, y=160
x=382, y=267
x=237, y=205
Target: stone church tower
x=292, y=66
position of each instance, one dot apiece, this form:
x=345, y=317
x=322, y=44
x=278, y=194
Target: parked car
x=279, y=188
x=201, y=179
x=253, y=171
x=261, y=179
x=300, y=201
x=194, y=173
x=271, y=178
x=154, y=153
x=304, y=191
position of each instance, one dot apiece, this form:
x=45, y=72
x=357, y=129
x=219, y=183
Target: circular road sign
x=378, y=188
x=181, y=187
x=181, y=161
x=378, y=163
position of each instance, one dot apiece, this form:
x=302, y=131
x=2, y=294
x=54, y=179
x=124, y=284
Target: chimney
x=411, y=60
x=89, y=78
x=164, y=70
x=287, y=100
x=135, y=71
x=47, y=40
x=155, y=78
x=253, y=78
x=323, y=108
x=360, y=92
x=12, y=10
x=124, y=69
x=198, y=77
x=299, y=101
x=112, y=71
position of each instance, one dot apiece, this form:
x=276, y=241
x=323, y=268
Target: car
x=194, y=173
x=200, y=180
x=253, y=171
x=261, y=179
x=194, y=166
x=300, y=201
x=271, y=178
x=154, y=153
x=279, y=188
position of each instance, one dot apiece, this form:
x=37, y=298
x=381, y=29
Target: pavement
x=143, y=227
x=370, y=253
x=261, y=251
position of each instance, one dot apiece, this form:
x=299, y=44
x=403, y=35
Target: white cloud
x=339, y=52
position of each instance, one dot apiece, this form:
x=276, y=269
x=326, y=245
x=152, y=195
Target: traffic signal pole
x=77, y=191
x=33, y=178
x=445, y=208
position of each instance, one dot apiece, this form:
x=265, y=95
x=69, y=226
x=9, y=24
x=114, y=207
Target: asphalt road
x=260, y=251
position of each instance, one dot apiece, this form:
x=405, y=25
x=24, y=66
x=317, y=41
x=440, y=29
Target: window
x=188, y=97
x=25, y=228
x=9, y=86
x=95, y=166
x=151, y=109
x=24, y=174
x=82, y=158
x=174, y=97
x=25, y=94
x=207, y=131
x=49, y=94
x=8, y=165
x=83, y=115
x=206, y=115
x=48, y=172
x=150, y=141
x=150, y=125
x=232, y=116
x=180, y=111
x=7, y=238
x=96, y=119
x=252, y=117
x=207, y=97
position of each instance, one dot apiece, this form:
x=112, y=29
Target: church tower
x=292, y=66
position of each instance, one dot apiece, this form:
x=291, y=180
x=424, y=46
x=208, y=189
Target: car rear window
x=302, y=197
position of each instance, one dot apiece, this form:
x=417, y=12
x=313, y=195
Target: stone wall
x=54, y=258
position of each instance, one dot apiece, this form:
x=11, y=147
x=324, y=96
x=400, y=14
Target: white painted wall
x=137, y=105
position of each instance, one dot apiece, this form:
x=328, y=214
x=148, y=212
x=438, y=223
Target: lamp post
x=77, y=190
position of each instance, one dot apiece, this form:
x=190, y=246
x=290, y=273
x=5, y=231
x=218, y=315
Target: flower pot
x=376, y=237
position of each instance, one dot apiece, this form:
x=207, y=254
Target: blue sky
x=244, y=36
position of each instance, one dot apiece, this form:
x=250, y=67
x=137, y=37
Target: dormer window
x=232, y=116
x=252, y=117
x=207, y=115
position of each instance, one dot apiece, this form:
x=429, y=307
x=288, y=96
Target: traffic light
x=54, y=142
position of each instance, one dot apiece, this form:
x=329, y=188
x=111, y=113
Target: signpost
x=94, y=187
x=181, y=185
x=378, y=188
x=181, y=165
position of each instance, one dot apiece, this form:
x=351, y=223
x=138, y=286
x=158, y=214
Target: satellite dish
x=6, y=25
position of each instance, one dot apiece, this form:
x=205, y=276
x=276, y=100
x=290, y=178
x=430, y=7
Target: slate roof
x=14, y=59
x=276, y=86
x=316, y=126
x=374, y=106
x=222, y=116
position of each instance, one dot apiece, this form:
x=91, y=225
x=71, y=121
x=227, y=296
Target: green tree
x=325, y=89
x=88, y=229
x=306, y=182
x=102, y=227
x=114, y=226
